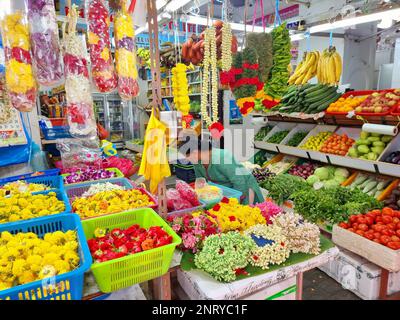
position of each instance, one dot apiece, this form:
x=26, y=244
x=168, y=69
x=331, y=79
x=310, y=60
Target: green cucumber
x=312, y=88
x=327, y=103
x=320, y=96
x=317, y=104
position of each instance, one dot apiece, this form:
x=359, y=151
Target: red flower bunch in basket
x=120, y=243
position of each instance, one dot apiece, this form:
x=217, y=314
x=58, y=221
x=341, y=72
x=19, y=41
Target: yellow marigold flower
x=61, y=265
x=50, y=258
x=47, y=271
x=93, y=38
x=5, y=235
x=19, y=77
x=72, y=258
x=5, y=285
x=26, y=277
x=19, y=266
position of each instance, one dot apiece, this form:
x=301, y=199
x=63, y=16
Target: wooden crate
x=379, y=254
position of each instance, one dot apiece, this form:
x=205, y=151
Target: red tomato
x=361, y=220
x=391, y=226
x=369, y=236
x=385, y=239
x=369, y=221
x=376, y=212
x=395, y=238
x=387, y=219
x=353, y=218
x=387, y=211
x=378, y=227
x=371, y=215
x=378, y=218
x=396, y=213
x=388, y=232
x=398, y=232
x=363, y=227
x=355, y=225
x=394, y=245
x=398, y=226
x=377, y=240
x=351, y=229
x=377, y=235
x=360, y=232
x=396, y=220
x=344, y=225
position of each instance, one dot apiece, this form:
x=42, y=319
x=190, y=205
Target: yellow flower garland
x=234, y=216
x=180, y=88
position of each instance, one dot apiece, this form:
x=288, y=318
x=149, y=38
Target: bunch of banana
x=307, y=68
x=329, y=68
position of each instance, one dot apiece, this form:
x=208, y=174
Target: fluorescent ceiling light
x=390, y=14
x=234, y=26
x=297, y=37
x=175, y=5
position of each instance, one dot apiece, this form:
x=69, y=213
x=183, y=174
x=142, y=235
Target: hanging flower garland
x=180, y=88
x=5, y=105
x=223, y=255
x=226, y=49
x=210, y=67
x=270, y=245
x=302, y=236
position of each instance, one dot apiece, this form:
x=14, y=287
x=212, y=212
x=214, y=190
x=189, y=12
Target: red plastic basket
x=348, y=94
x=57, y=122
x=369, y=114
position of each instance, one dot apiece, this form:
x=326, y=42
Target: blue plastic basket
x=42, y=174
x=57, y=132
x=53, y=182
x=60, y=196
x=226, y=192
x=67, y=286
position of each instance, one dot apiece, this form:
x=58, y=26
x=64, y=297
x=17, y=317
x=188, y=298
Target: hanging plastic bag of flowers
x=20, y=81
x=80, y=115
x=103, y=72
x=46, y=52
x=125, y=54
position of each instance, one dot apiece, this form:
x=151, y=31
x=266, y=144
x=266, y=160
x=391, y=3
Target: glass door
x=100, y=110
x=116, y=118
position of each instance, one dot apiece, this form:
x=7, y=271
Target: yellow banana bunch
x=329, y=68
x=306, y=70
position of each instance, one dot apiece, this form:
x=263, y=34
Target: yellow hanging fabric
x=154, y=165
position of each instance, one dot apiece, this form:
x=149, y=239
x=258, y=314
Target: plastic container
x=68, y=286
x=123, y=272
x=57, y=122
x=56, y=133
x=369, y=114
x=188, y=210
x=45, y=173
x=76, y=190
x=226, y=192
x=118, y=174
x=54, y=182
x=185, y=172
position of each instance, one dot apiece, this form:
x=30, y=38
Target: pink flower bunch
x=268, y=210
x=192, y=229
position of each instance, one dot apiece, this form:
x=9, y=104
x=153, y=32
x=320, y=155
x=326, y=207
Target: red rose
x=225, y=200
x=232, y=218
x=216, y=207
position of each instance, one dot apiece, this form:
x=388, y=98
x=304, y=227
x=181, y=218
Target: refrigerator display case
x=116, y=116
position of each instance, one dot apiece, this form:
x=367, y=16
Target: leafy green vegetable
x=297, y=138
x=282, y=186
x=334, y=205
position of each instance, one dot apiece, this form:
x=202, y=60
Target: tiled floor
x=319, y=286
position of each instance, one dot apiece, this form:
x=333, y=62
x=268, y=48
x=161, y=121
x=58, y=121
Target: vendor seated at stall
x=219, y=166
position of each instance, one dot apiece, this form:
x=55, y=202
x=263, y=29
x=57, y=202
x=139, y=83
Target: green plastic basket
x=124, y=272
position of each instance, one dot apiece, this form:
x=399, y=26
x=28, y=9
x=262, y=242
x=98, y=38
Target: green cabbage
x=331, y=184
x=312, y=179
x=342, y=172
x=322, y=173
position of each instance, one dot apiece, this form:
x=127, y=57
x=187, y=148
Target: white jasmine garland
x=226, y=46
x=209, y=67
x=274, y=253
x=302, y=236
x=101, y=187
